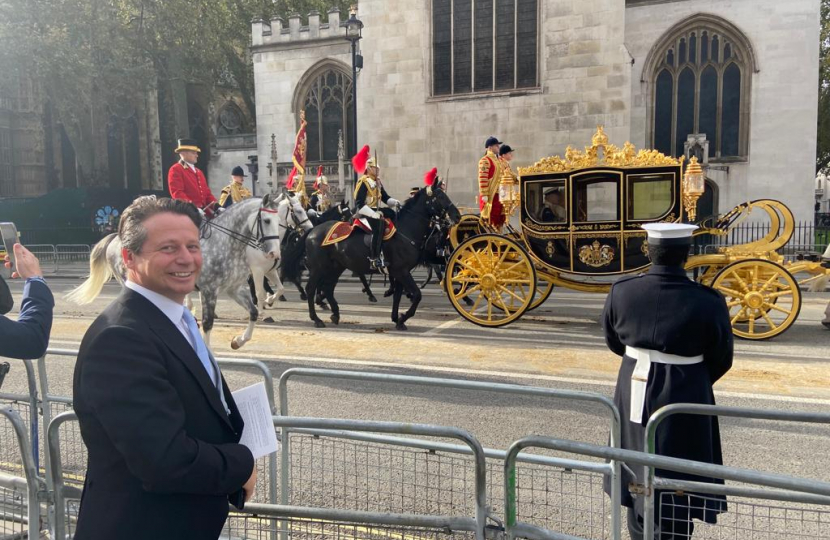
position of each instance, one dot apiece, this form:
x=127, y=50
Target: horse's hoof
x=319, y=324
x=235, y=344
x=468, y=301
x=335, y=319
x=302, y=297
x=269, y=320
x=388, y=293
x=323, y=306
x=284, y=299
x=401, y=326
x=373, y=300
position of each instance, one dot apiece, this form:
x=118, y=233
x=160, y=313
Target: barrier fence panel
x=19, y=504
x=787, y=489
x=299, y=481
x=47, y=256
x=746, y=515
x=251, y=524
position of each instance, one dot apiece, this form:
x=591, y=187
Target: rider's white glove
x=201, y=212
x=484, y=198
x=392, y=203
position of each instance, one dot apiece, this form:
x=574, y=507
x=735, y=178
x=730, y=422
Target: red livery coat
x=186, y=185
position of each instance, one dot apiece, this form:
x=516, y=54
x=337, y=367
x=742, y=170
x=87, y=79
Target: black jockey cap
x=505, y=149
x=237, y=171
x=491, y=141
x=669, y=234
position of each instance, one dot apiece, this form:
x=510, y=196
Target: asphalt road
x=557, y=346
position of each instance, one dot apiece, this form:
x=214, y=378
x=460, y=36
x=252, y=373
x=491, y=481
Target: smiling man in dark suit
x=160, y=424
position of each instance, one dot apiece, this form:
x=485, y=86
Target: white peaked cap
x=669, y=233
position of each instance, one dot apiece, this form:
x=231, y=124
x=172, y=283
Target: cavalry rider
x=235, y=191
x=187, y=183
x=489, y=179
x=320, y=200
x=368, y=194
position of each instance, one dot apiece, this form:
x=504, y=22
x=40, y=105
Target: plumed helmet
x=361, y=160
x=431, y=176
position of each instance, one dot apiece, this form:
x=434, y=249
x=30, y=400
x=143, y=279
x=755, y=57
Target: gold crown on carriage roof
x=611, y=156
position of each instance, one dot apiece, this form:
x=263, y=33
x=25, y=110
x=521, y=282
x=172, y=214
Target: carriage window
x=596, y=199
x=552, y=206
x=649, y=196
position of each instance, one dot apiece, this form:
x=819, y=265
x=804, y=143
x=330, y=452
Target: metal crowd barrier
x=745, y=515
x=792, y=488
x=450, y=459
x=19, y=503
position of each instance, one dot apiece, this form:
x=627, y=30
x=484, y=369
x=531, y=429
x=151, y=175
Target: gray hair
x=131, y=229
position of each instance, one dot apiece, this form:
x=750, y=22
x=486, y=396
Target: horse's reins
x=256, y=242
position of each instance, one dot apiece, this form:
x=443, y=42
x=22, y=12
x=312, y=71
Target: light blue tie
x=204, y=355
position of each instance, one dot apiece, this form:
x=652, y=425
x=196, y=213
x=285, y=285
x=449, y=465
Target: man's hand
x=250, y=486
x=484, y=198
x=26, y=264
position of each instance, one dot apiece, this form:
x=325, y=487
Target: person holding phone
x=28, y=336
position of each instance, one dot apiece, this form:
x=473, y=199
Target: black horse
x=293, y=248
x=403, y=252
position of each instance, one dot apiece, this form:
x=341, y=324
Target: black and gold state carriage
x=581, y=220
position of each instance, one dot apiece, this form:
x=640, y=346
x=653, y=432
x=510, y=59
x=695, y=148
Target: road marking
x=442, y=326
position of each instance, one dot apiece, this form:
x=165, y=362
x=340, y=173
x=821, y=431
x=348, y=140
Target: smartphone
x=10, y=238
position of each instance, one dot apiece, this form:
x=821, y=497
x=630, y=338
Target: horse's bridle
x=254, y=240
x=297, y=224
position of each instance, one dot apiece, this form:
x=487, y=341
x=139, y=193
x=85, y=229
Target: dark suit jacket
x=163, y=453
x=28, y=337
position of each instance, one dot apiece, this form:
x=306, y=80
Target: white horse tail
x=819, y=284
x=99, y=273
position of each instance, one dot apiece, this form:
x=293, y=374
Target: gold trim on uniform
x=237, y=192
x=372, y=192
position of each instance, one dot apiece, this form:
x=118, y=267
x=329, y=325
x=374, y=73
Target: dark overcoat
x=663, y=310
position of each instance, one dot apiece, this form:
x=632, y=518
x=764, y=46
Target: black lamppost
x=354, y=32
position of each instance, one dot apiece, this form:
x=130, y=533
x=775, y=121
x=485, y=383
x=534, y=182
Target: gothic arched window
x=327, y=101
x=699, y=76
x=230, y=120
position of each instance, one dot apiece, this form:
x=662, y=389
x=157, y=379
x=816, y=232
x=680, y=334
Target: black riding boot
x=378, y=226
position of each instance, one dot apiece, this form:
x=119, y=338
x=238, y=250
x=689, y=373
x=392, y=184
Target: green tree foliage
x=823, y=150
x=93, y=58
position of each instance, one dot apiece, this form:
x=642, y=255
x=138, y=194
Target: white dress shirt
x=173, y=310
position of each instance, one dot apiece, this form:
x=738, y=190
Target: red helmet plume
x=430, y=177
x=360, y=160
x=316, y=184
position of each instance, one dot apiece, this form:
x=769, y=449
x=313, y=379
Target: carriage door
x=649, y=198
x=596, y=222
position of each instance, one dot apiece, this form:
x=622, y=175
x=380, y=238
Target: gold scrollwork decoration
x=596, y=255
x=550, y=249
x=644, y=247
x=611, y=156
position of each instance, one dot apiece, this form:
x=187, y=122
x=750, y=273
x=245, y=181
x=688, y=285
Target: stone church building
x=439, y=76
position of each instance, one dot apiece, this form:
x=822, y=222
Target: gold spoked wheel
x=496, y=273
x=543, y=289
x=763, y=298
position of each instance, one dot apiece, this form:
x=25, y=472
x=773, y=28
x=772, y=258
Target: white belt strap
x=639, y=377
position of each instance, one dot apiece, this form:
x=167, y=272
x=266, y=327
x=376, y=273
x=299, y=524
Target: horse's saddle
x=343, y=229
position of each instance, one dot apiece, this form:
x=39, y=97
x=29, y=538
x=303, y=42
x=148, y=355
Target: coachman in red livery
x=187, y=183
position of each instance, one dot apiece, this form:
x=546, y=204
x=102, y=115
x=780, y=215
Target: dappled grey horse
x=240, y=241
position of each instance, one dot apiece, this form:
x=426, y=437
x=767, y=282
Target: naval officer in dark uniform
x=675, y=338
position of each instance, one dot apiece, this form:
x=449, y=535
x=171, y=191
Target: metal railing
x=792, y=488
x=385, y=378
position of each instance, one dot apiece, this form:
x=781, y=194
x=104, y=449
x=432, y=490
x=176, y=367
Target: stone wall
x=782, y=123
x=584, y=75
